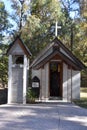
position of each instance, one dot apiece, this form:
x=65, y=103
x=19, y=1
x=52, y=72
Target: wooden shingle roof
x=56, y=47
x=22, y=45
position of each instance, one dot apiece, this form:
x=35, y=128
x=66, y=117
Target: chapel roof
x=56, y=47
x=21, y=44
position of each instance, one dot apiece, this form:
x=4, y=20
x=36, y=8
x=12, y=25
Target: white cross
x=56, y=28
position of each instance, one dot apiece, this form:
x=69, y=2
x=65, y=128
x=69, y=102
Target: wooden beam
x=71, y=85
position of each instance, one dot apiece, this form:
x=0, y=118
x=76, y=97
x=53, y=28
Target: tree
x=81, y=47
x=36, y=21
x=4, y=25
x=81, y=37
x=44, y=14
x=69, y=28
x=3, y=20
x=19, y=15
x=3, y=70
x=83, y=8
x=3, y=65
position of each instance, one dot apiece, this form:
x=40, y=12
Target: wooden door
x=55, y=83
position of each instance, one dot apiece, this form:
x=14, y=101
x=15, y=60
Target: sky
x=9, y=10
x=7, y=5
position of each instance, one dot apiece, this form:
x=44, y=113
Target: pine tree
x=3, y=20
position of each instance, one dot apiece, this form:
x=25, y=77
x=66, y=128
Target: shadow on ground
x=3, y=96
x=43, y=117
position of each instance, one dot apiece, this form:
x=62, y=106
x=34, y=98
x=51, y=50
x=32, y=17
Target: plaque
x=35, y=85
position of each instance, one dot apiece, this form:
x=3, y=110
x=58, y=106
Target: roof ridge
x=67, y=52
x=76, y=59
x=41, y=53
x=10, y=46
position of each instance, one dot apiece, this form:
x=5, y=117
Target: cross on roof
x=56, y=28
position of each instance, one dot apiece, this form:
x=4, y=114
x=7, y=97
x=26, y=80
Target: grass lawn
x=83, y=98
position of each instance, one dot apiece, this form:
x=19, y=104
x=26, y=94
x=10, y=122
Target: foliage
x=31, y=95
x=3, y=17
x=39, y=24
x=83, y=99
x=75, y=35
x=83, y=8
x=34, y=21
x=82, y=32
x=68, y=22
x=46, y=9
x=81, y=103
x=81, y=37
x=3, y=70
x=19, y=15
x=3, y=65
x=84, y=78
x=3, y=20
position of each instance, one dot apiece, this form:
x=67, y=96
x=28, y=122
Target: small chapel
x=56, y=72
x=59, y=72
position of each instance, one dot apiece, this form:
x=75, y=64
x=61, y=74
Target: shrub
x=31, y=95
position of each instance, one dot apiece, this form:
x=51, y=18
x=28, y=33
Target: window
x=18, y=59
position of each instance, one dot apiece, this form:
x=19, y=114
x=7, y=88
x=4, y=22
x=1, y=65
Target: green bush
x=31, y=95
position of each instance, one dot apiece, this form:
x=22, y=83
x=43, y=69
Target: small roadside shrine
x=58, y=71
x=18, y=66
x=55, y=72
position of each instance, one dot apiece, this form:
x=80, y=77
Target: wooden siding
x=16, y=50
x=76, y=76
x=65, y=84
x=18, y=41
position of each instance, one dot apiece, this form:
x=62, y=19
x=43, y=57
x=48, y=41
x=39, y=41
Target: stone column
x=24, y=79
x=9, y=78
